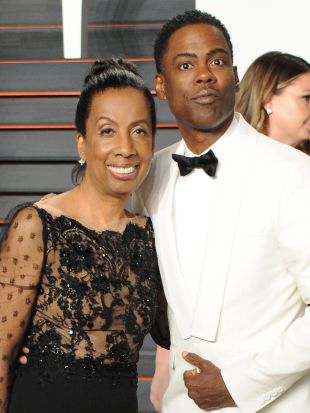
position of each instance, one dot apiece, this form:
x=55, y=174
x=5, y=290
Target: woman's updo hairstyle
x=107, y=73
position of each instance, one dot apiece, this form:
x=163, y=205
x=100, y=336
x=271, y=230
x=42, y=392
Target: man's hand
x=205, y=384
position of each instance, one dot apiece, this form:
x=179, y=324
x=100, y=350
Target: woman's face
x=289, y=121
x=118, y=147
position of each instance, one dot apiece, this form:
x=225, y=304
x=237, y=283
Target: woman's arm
x=161, y=378
x=21, y=257
x=161, y=335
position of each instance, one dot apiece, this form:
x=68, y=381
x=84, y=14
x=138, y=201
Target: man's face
x=198, y=78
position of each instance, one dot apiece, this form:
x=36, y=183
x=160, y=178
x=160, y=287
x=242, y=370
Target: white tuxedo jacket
x=251, y=317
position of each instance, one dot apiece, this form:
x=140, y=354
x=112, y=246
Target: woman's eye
x=307, y=98
x=140, y=131
x=186, y=66
x=106, y=131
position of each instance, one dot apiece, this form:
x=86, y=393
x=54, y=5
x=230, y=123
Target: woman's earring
x=81, y=162
x=268, y=111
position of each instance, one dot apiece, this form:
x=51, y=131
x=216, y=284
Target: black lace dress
x=82, y=301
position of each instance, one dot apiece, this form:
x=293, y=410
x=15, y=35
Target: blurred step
x=25, y=145
x=144, y=403
x=46, y=43
x=146, y=363
x=7, y=202
x=55, y=111
x=20, y=12
x=34, y=178
x=63, y=75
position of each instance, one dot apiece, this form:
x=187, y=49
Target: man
x=233, y=239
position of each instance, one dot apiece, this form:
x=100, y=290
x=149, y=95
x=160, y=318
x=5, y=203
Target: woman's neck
x=100, y=209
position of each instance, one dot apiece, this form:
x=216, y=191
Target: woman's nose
x=126, y=146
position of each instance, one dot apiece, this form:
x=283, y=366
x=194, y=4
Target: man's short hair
x=187, y=18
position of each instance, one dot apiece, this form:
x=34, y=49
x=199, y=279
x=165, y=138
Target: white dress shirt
x=194, y=198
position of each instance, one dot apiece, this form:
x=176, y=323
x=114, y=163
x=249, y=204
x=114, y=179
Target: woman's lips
x=123, y=170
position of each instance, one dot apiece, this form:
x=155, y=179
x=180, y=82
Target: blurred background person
x=274, y=97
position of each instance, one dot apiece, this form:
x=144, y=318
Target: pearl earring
x=268, y=111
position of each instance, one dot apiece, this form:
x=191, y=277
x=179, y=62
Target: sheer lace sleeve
x=160, y=330
x=21, y=257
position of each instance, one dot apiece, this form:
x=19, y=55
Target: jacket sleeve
x=258, y=379
x=21, y=257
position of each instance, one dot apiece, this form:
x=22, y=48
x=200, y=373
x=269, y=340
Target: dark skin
x=205, y=384
x=199, y=82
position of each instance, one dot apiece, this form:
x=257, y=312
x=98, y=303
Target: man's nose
x=205, y=75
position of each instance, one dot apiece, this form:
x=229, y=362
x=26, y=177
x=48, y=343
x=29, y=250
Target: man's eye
x=217, y=62
x=186, y=66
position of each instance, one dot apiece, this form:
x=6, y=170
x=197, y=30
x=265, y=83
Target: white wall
x=259, y=26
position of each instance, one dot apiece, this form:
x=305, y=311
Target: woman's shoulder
x=140, y=220
x=22, y=222
x=30, y=213
x=26, y=213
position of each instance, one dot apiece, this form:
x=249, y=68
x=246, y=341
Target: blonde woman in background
x=274, y=97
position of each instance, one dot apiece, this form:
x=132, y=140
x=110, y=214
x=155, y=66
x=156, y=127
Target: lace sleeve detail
x=21, y=257
x=160, y=330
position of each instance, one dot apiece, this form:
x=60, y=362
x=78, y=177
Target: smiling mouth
x=120, y=170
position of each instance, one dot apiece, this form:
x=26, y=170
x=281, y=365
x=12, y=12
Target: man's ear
x=237, y=82
x=80, y=143
x=160, y=86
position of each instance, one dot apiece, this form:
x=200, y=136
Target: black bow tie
x=208, y=162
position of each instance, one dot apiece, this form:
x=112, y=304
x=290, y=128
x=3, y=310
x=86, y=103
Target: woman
x=79, y=275
x=274, y=97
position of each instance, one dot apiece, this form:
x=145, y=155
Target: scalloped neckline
x=98, y=232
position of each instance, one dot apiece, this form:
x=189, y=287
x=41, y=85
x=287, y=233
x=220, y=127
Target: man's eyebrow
x=217, y=50
x=184, y=54
x=194, y=55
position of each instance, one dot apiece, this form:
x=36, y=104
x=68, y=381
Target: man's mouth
x=206, y=96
